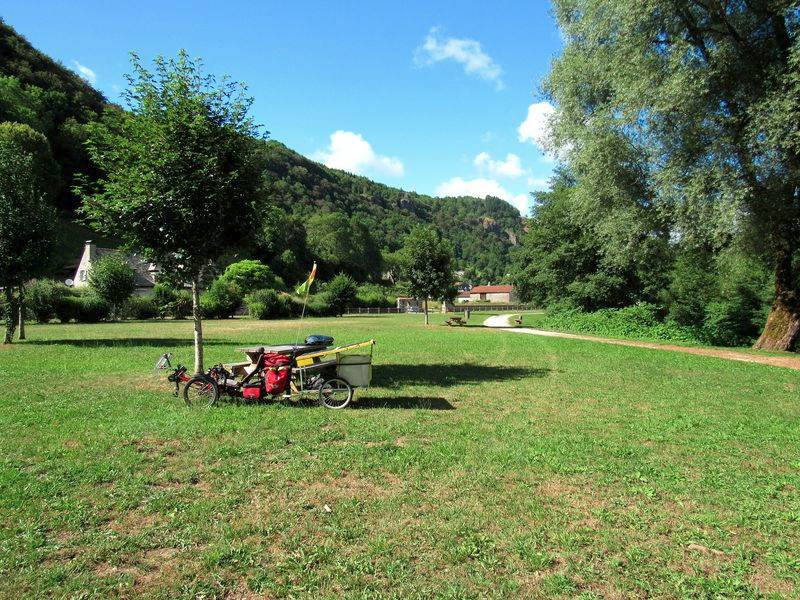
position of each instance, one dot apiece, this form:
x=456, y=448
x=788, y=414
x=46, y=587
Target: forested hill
x=38, y=91
x=369, y=217
x=482, y=230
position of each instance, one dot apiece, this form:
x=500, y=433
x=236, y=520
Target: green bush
x=42, y=298
x=731, y=323
x=268, y=304
x=82, y=307
x=642, y=320
x=340, y=293
x=317, y=306
x=221, y=300
x=113, y=280
x=252, y=275
x=371, y=295
x=92, y=308
x=169, y=302
x=140, y=308
x=67, y=307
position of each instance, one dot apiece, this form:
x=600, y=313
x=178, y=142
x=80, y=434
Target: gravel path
x=498, y=321
x=788, y=361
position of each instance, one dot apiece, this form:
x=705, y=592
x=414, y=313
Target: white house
x=145, y=272
x=493, y=293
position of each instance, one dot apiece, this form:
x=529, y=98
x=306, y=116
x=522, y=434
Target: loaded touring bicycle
x=285, y=372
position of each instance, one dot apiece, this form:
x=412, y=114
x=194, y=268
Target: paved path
x=498, y=321
x=789, y=361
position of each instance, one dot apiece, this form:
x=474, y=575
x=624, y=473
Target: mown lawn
x=481, y=464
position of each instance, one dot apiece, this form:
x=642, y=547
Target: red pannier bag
x=253, y=391
x=279, y=371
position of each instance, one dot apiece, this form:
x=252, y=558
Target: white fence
x=458, y=308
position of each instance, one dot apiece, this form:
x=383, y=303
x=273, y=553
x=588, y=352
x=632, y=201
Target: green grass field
x=481, y=464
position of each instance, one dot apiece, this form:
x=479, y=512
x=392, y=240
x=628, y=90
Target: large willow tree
x=690, y=108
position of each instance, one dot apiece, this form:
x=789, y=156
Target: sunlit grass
x=480, y=464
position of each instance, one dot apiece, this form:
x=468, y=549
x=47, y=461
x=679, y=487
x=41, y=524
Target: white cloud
x=537, y=126
x=85, y=72
x=469, y=53
x=538, y=183
x=351, y=152
x=480, y=188
x=510, y=167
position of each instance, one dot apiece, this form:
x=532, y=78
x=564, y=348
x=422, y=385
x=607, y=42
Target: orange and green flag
x=304, y=287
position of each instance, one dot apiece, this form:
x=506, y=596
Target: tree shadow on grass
x=404, y=402
x=446, y=375
x=125, y=342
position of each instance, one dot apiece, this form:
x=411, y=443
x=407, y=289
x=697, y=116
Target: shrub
x=641, y=320
x=317, y=306
x=730, y=323
x=92, y=308
x=268, y=304
x=339, y=293
x=140, y=308
x=113, y=280
x=170, y=302
x=42, y=298
x=252, y=275
x=221, y=300
x=371, y=295
x=67, y=308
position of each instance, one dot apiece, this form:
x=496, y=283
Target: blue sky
x=436, y=97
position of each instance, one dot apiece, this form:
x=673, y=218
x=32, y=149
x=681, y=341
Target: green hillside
x=304, y=203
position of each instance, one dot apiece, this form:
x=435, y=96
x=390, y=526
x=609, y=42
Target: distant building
x=493, y=293
x=407, y=304
x=463, y=296
x=145, y=272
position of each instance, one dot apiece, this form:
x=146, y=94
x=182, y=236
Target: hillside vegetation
x=309, y=212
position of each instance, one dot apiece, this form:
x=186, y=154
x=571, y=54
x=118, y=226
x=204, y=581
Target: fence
x=479, y=308
x=458, y=308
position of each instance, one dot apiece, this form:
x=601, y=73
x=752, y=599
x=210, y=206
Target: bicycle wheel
x=200, y=391
x=335, y=393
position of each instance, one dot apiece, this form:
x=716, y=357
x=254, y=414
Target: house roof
x=492, y=289
x=463, y=294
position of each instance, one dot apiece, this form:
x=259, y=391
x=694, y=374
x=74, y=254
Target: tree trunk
x=10, y=315
x=198, y=328
x=21, y=311
x=783, y=324
x=426, y=310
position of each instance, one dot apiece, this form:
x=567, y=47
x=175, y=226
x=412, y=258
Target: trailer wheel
x=335, y=394
x=200, y=391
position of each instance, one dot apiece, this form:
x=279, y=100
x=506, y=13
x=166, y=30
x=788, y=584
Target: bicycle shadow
x=448, y=375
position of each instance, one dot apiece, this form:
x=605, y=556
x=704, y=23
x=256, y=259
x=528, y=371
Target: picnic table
x=455, y=322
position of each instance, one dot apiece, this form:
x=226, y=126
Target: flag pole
x=305, y=301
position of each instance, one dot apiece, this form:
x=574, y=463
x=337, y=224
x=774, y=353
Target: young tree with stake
x=180, y=174
x=427, y=264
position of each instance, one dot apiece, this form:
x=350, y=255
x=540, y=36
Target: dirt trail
x=790, y=362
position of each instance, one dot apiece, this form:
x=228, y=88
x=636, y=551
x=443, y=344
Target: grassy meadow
x=480, y=464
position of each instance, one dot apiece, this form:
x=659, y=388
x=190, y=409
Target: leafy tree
x=428, y=264
x=340, y=292
x=113, y=279
x=342, y=244
x=26, y=217
x=688, y=106
x=251, y=275
x=179, y=171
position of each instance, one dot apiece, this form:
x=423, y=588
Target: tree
x=113, y=279
x=179, y=171
x=251, y=275
x=27, y=219
x=682, y=105
x=427, y=264
x=340, y=292
x=343, y=244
